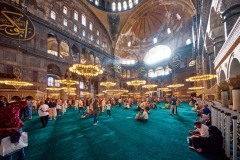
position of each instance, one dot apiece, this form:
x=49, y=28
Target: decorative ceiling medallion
x=14, y=23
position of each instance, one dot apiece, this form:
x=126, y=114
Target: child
x=108, y=106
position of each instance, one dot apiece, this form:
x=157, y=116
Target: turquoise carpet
x=119, y=137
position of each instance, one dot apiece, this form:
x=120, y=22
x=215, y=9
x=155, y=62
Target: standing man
x=96, y=111
x=80, y=106
x=119, y=102
x=173, y=106
x=43, y=113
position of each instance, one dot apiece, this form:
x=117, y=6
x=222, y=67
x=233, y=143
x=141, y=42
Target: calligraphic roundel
x=14, y=23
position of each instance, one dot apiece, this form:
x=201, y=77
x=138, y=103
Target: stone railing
x=228, y=121
x=229, y=45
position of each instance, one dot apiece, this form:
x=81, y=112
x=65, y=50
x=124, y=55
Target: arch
x=92, y=58
x=234, y=66
x=29, y=98
x=52, y=44
x=98, y=62
x=119, y=6
x=75, y=52
x=53, y=69
x=151, y=73
x=222, y=76
x=130, y=3
x=64, y=49
x=159, y=71
x=125, y=5
x=16, y=98
x=114, y=6
x=84, y=20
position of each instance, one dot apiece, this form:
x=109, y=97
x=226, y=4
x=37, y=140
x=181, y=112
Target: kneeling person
x=142, y=116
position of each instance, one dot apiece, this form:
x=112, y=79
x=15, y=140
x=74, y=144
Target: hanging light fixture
x=68, y=82
x=149, y=86
x=175, y=85
x=136, y=83
x=204, y=77
x=86, y=70
x=17, y=83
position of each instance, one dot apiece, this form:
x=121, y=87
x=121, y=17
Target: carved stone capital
x=234, y=82
x=223, y=86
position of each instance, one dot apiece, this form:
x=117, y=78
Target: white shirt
x=108, y=106
x=145, y=115
x=203, y=131
x=76, y=102
x=43, y=107
x=80, y=103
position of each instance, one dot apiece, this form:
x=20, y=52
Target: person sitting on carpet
x=127, y=106
x=206, y=110
x=199, y=136
x=143, y=115
x=166, y=105
x=88, y=113
x=205, y=119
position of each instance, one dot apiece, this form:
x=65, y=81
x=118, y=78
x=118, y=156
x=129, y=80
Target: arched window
x=52, y=45
x=83, y=33
x=53, y=15
x=76, y=15
x=151, y=73
x=157, y=54
x=125, y=5
x=64, y=49
x=64, y=9
x=119, y=6
x=114, y=6
x=155, y=40
x=98, y=33
x=130, y=3
x=188, y=41
x=90, y=26
x=135, y=1
x=98, y=41
x=168, y=70
x=96, y=2
x=91, y=38
x=75, y=28
x=84, y=20
x=51, y=81
x=159, y=71
x=65, y=22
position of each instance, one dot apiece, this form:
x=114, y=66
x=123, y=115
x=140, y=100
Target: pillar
x=236, y=99
x=227, y=134
x=218, y=39
x=222, y=122
x=224, y=97
x=235, y=137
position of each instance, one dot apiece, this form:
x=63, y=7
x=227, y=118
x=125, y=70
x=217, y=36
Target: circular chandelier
x=175, y=85
x=149, y=86
x=86, y=70
x=164, y=88
x=68, y=89
x=114, y=91
x=107, y=84
x=67, y=81
x=196, y=88
x=136, y=83
x=16, y=83
x=150, y=92
x=201, y=78
x=53, y=88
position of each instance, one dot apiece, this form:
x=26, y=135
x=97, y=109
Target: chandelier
x=136, y=83
x=68, y=82
x=175, y=85
x=16, y=83
x=201, y=78
x=107, y=84
x=86, y=70
x=149, y=86
x=114, y=91
x=150, y=92
x=196, y=88
x=53, y=88
x=163, y=88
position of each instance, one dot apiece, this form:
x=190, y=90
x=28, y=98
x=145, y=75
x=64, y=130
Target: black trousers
x=44, y=120
x=108, y=113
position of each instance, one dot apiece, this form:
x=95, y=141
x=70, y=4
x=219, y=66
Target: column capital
x=217, y=32
x=234, y=82
x=223, y=86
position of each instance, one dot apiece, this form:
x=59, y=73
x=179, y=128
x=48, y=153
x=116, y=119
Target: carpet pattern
x=119, y=137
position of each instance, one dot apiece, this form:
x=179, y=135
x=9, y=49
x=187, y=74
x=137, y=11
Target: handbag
x=8, y=148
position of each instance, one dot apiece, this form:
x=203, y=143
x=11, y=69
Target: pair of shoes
x=94, y=124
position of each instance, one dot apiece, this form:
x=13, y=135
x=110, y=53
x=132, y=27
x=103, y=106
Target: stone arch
x=64, y=49
x=54, y=69
x=52, y=47
x=222, y=76
x=75, y=52
x=233, y=71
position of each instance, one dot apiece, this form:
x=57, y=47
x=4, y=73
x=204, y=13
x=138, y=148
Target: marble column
x=218, y=39
x=236, y=99
x=224, y=97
